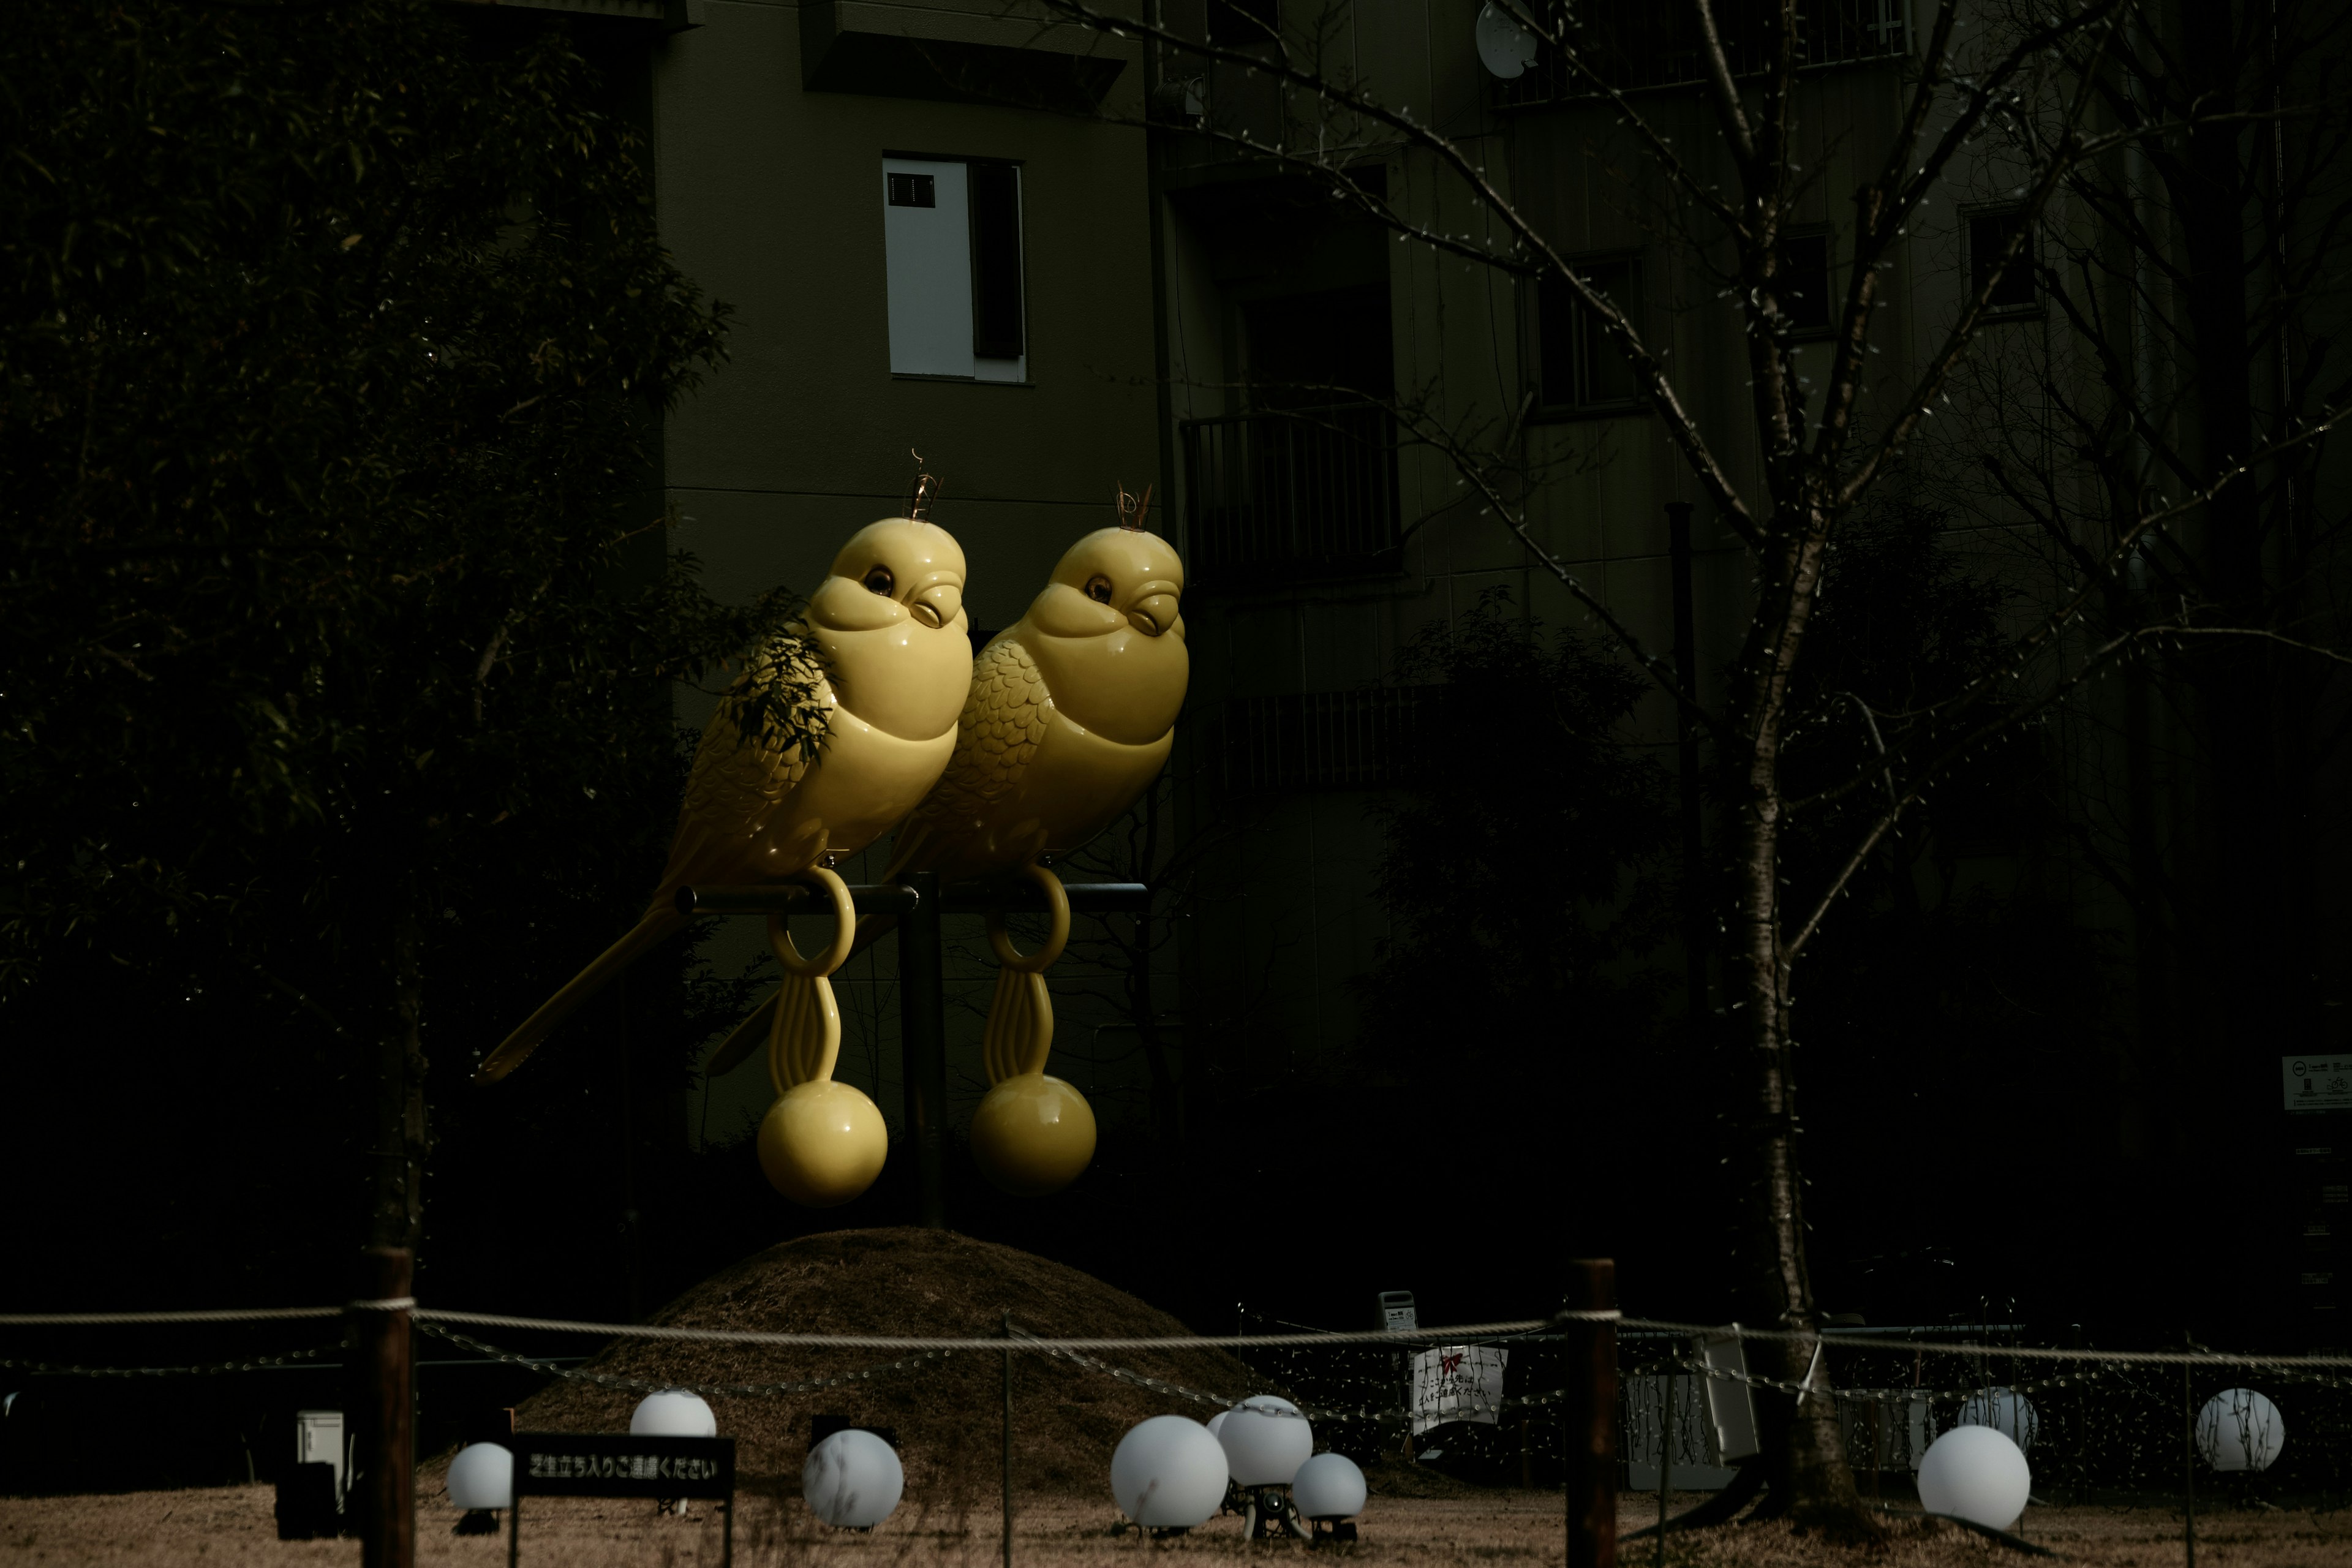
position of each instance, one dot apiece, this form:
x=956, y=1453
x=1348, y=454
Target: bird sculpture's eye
x=1098, y=589
x=880, y=581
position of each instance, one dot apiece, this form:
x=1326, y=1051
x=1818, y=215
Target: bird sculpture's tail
x=1032, y=1134
x=753, y=1033
x=1021, y=1016
x=657, y=923
x=822, y=1143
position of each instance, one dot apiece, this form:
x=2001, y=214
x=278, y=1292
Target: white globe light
x=1328, y=1486
x=1217, y=1422
x=673, y=1413
x=853, y=1479
x=481, y=1476
x=1977, y=1473
x=2240, y=1430
x=1266, y=1440
x=1168, y=1473
x=2004, y=1410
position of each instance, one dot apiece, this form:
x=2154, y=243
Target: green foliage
x=327, y=377
x=339, y=632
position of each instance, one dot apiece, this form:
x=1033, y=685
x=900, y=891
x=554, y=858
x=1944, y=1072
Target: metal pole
x=1008, y=1437
x=1591, y=1349
x=2188, y=1458
x=1665, y=1460
x=384, y=1459
x=922, y=1036
x=1695, y=943
x=514, y=1528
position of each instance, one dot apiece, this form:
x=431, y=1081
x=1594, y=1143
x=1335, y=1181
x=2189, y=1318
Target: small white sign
x=1457, y=1383
x=2317, y=1083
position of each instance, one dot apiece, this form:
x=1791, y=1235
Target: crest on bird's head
x=1132, y=510
x=926, y=489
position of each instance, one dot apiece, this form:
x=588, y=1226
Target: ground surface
x=948, y=1411
x=233, y=1526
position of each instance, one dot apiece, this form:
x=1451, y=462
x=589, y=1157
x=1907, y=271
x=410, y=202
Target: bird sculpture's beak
x=938, y=604
x=1154, y=613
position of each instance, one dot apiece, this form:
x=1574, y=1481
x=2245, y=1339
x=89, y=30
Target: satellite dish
x=1505, y=48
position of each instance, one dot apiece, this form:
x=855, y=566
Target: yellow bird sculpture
x=882, y=657
x=1070, y=716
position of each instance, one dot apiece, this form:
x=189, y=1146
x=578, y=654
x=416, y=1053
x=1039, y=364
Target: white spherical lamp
x=852, y=1480
x=481, y=1476
x=1168, y=1473
x=1328, y=1486
x=2004, y=1410
x=1977, y=1473
x=1266, y=1440
x=1217, y=1422
x=2239, y=1430
x=673, y=1413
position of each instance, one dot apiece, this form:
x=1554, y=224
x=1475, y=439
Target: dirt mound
x=948, y=1413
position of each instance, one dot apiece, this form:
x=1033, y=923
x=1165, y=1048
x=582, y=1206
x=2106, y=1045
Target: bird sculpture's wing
x=735, y=787
x=736, y=784
x=1005, y=715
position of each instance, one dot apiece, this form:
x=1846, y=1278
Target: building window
x=1805, y=295
x=952, y=242
x=1237, y=24
x=1578, y=366
x=1989, y=236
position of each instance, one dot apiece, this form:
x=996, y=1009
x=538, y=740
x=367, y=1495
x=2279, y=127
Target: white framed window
x=951, y=239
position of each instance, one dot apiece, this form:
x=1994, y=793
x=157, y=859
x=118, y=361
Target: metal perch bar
x=899, y=899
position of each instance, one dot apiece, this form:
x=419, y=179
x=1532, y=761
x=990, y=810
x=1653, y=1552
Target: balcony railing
x=1310, y=490
x=1368, y=738
x=1636, y=43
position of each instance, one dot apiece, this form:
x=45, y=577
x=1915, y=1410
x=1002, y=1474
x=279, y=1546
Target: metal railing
x=1306, y=489
x=1632, y=45
x=1323, y=739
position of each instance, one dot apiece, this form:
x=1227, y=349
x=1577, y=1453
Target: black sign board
x=601, y=1464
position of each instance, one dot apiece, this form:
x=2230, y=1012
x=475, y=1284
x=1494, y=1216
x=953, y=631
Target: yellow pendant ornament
x=822, y=1143
x=1032, y=1134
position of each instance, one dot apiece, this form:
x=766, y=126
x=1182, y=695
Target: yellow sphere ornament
x=1032, y=1134
x=823, y=1142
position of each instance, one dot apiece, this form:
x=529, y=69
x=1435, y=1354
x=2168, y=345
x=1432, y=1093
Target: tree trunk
x=396, y=1153
x=2251, y=993
x=1804, y=1450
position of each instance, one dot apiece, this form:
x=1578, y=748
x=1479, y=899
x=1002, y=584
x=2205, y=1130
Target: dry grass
x=232, y=1527
x=948, y=1418
x=947, y=1413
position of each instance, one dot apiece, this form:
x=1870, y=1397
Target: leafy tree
x=337, y=636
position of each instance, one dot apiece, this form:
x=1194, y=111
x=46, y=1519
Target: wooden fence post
x=382, y=1499
x=1591, y=1415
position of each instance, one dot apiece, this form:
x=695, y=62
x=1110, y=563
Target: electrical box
x=1731, y=1402
x=318, y=1440
x=1398, y=1314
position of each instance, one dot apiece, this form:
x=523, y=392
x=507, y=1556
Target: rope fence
x=2102, y=1426
x=1497, y=1332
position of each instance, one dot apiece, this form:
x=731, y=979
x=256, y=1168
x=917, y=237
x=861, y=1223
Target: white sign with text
x=2317, y=1083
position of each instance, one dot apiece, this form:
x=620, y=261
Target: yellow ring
x=845, y=933
x=1056, y=937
